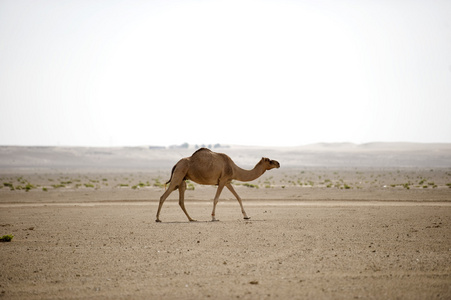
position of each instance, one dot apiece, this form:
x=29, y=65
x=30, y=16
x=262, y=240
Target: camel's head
x=270, y=164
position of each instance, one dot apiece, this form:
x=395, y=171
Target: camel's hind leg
x=230, y=187
x=166, y=194
x=182, y=189
x=176, y=181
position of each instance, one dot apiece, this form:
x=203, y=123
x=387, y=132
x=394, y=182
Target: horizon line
x=219, y=145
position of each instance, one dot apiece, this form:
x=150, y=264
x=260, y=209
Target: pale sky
x=269, y=73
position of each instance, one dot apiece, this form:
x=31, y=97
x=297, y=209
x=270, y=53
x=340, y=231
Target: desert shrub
x=190, y=186
x=250, y=185
x=29, y=186
x=6, y=238
x=157, y=183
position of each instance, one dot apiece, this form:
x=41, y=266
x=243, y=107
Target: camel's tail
x=172, y=172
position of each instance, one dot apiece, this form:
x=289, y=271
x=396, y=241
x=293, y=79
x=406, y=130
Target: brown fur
x=211, y=168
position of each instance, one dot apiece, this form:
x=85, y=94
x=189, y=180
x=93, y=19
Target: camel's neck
x=249, y=175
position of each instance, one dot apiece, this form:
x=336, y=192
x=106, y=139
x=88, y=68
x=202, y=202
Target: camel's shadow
x=211, y=222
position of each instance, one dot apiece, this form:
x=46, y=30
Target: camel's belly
x=202, y=176
x=201, y=180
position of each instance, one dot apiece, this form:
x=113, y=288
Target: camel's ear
x=265, y=159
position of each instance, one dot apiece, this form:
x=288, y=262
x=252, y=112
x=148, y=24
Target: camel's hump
x=201, y=150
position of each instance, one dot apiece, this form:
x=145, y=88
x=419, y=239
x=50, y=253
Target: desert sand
x=334, y=222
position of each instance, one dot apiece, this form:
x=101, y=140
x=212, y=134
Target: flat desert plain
x=336, y=221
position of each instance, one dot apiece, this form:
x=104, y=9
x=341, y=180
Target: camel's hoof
x=158, y=221
x=247, y=218
x=214, y=220
x=192, y=220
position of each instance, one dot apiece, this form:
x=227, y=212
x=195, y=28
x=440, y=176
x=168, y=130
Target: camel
x=211, y=168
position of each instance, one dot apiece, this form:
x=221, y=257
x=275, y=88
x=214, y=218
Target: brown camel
x=211, y=168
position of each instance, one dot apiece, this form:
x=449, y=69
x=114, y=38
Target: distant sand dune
x=316, y=155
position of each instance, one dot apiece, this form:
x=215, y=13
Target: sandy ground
x=341, y=250
x=315, y=233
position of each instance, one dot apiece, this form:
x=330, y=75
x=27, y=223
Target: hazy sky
x=281, y=73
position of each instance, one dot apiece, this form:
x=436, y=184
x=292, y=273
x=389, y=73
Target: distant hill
x=376, y=155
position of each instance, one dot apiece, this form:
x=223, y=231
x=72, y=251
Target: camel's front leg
x=230, y=187
x=215, y=201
